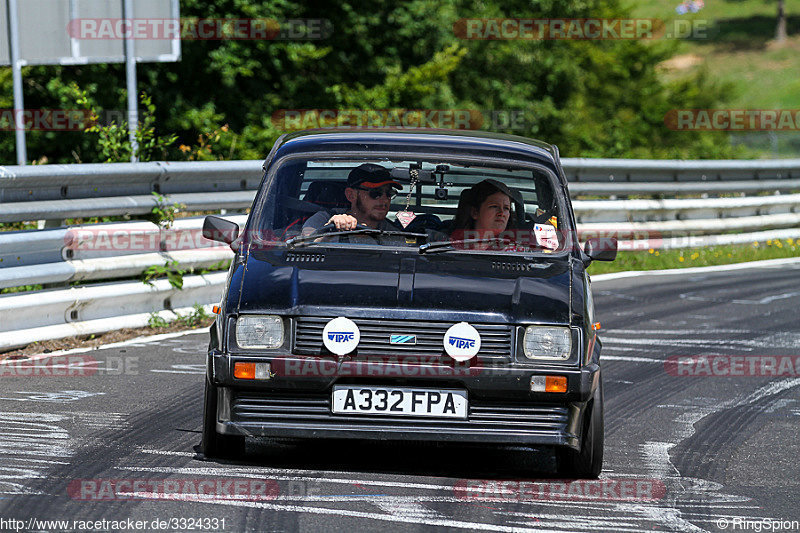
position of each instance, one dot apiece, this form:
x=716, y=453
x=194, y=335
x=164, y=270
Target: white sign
x=462, y=341
x=341, y=335
x=47, y=33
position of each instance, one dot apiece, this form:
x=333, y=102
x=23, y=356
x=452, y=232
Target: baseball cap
x=503, y=188
x=370, y=176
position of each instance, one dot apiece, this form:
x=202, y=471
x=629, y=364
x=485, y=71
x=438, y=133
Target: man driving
x=370, y=189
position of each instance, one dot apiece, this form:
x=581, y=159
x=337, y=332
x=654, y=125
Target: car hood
x=369, y=283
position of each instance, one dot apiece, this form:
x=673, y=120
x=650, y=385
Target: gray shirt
x=320, y=218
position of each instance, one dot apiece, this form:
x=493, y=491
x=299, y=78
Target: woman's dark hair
x=475, y=196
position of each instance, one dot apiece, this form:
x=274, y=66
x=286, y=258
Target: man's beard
x=361, y=208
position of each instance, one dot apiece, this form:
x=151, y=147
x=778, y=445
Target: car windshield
x=427, y=205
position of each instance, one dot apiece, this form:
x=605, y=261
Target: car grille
x=315, y=409
x=496, y=339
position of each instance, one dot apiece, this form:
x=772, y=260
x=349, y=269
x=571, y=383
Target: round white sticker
x=462, y=341
x=341, y=335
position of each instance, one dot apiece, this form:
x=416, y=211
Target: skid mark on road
x=29, y=444
x=101, y=421
x=555, y=513
x=183, y=369
x=43, y=396
x=659, y=464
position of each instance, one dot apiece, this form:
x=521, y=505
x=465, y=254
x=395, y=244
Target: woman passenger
x=485, y=211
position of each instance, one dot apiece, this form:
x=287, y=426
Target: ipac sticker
x=546, y=236
x=462, y=341
x=341, y=335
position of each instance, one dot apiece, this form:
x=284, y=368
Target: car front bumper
x=501, y=409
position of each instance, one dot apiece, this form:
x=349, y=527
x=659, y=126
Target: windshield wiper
x=449, y=245
x=303, y=240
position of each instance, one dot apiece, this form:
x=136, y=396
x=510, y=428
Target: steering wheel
x=327, y=228
x=330, y=228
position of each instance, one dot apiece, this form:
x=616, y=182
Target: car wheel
x=213, y=443
x=588, y=462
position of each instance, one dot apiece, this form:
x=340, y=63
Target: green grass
x=22, y=288
x=714, y=9
x=18, y=226
x=195, y=319
x=698, y=257
x=739, y=50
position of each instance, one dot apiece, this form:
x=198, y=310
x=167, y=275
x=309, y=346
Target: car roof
x=452, y=142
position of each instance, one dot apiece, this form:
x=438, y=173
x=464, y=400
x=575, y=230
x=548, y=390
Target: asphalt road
x=688, y=447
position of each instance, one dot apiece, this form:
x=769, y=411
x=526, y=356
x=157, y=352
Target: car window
x=305, y=193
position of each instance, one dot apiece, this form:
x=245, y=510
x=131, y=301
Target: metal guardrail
x=57, y=192
x=99, y=251
x=69, y=182
x=677, y=170
x=43, y=315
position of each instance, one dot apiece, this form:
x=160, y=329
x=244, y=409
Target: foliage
x=21, y=288
x=163, y=213
x=222, y=265
x=113, y=139
x=205, y=143
x=698, y=257
x=171, y=270
x=197, y=318
x=156, y=321
x=592, y=98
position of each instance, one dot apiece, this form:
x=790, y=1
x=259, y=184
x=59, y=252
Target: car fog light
x=556, y=384
x=548, y=384
x=252, y=371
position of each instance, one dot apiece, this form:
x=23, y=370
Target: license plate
x=396, y=401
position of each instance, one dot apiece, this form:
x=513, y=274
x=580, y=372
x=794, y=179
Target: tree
x=780, y=30
x=593, y=98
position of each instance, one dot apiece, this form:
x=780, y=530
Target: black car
x=423, y=323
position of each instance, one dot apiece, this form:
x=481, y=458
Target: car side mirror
x=221, y=230
x=601, y=249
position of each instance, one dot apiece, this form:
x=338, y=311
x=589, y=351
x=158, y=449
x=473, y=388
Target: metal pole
x=74, y=43
x=130, y=75
x=16, y=69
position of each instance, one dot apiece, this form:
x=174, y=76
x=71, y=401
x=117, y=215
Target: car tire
x=215, y=444
x=588, y=462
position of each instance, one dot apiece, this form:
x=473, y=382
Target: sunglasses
x=389, y=192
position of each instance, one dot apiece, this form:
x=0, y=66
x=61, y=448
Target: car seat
x=327, y=194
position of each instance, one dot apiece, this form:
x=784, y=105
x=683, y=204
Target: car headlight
x=543, y=342
x=259, y=331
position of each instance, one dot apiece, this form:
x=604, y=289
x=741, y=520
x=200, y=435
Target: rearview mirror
x=601, y=249
x=403, y=175
x=220, y=230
